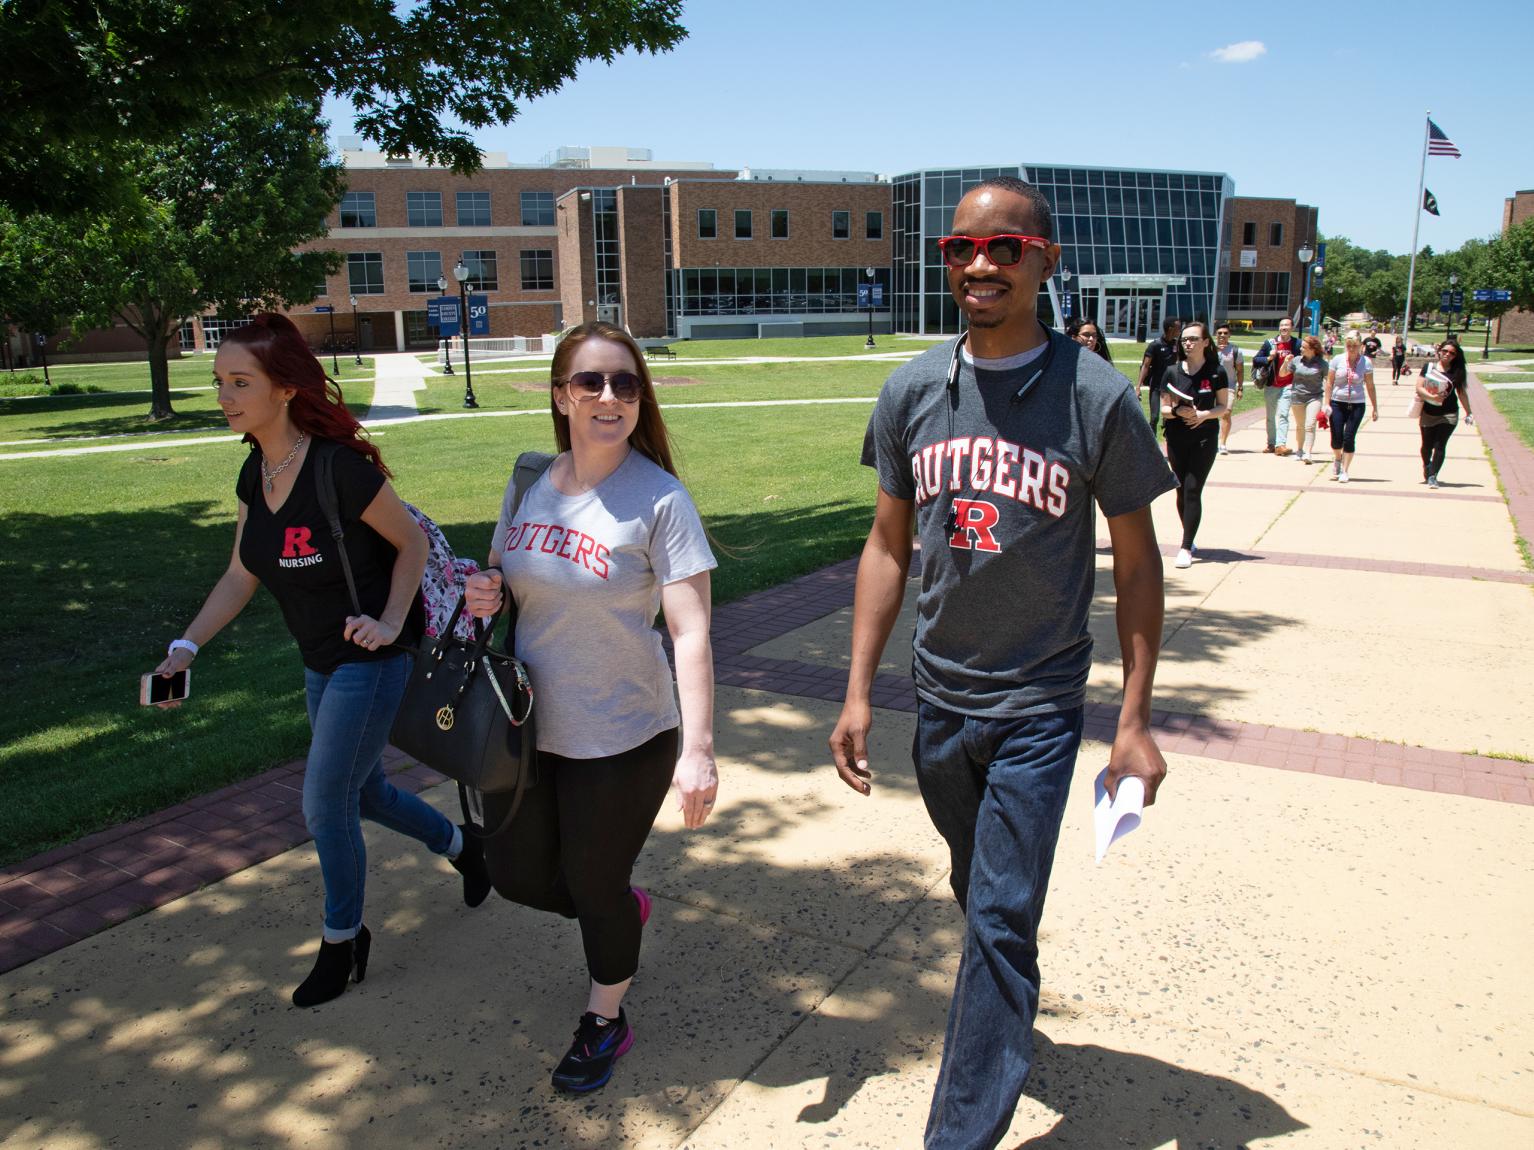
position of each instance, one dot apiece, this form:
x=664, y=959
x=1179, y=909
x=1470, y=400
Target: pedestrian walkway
x=399, y=376
x=1317, y=939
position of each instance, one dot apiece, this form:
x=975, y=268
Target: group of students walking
x=604, y=538
x=997, y=450
x=1194, y=382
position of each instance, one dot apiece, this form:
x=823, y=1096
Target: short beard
x=988, y=322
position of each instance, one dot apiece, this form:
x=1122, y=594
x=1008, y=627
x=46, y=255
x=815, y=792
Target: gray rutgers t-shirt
x=586, y=572
x=1001, y=625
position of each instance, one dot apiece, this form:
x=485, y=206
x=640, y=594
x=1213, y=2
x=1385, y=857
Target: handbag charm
x=445, y=717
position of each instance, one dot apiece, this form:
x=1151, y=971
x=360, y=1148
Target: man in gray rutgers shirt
x=998, y=448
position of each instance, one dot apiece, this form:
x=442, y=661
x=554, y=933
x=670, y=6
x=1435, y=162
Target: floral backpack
x=443, y=581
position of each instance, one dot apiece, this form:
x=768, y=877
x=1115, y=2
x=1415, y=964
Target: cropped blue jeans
x=995, y=788
x=350, y=713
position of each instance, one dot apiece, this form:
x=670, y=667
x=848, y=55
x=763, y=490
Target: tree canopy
x=81, y=79
x=214, y=218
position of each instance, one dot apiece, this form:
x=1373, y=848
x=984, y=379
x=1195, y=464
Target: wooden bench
x=659, y=351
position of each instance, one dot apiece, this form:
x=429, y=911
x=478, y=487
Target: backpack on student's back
x=443, y=581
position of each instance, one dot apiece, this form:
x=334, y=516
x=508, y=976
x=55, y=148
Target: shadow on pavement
x=1110, y=1098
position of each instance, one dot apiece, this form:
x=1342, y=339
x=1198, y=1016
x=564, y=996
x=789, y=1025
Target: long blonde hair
x=650, y=437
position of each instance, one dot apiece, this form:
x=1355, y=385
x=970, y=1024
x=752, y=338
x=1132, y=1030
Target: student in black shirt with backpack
x=272, y=388
x=1160, y=354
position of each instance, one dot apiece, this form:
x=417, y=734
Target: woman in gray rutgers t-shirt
x=601, y=541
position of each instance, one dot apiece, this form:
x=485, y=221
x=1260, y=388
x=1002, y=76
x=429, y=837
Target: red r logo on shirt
x=975, y=518
x=295, y=543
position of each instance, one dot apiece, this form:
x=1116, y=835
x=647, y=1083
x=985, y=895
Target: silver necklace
x=269, y=474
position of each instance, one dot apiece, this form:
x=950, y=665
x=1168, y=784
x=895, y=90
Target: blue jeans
x=995, y=789
x=1277, y=401
x=350, y=713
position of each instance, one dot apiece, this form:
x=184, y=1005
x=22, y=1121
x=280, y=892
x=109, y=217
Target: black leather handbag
x=468, y=713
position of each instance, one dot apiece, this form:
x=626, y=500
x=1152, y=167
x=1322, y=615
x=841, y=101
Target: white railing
x=507, y=347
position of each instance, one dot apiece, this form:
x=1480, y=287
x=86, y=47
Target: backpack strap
x=330, y=504
x=530, y=465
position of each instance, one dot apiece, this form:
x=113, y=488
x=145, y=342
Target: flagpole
x=1411, y=274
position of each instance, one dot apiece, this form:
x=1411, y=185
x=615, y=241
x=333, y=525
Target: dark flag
x=1438, y=144
x=1429, y=204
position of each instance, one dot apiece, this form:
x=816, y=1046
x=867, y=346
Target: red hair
x=316, y=408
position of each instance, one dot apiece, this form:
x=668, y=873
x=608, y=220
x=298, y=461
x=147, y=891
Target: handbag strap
x=530, y=465
x=330, y=503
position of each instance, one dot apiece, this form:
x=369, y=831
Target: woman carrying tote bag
x=272, y=389
x=602, y=540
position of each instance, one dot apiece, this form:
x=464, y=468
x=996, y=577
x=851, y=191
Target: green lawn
x=95, y=584
x=120, y=406
x=1518, y=408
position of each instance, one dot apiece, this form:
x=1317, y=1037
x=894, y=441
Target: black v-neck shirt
x=290, y=550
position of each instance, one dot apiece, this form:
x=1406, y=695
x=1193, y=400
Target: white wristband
x=182, y=645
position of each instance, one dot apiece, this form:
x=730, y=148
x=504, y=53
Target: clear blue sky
x=1329, y=112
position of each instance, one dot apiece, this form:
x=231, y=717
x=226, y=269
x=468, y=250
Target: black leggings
x=572, y=846
x=1435, y=445
x=1395, y=370
x=1191, y=459
x=1346, y=418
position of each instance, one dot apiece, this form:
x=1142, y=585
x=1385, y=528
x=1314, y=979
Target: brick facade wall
x=1516, y=328
x=577, y=255
x=1299, y=227
x=809, y=242
x=642, y=256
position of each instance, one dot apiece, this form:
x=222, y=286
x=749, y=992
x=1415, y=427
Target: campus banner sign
x=442, y=314
x=479, y=315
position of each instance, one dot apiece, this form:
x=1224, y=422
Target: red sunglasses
x=1002, y=251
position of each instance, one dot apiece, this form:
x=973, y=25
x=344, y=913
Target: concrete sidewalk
x=1319, y=937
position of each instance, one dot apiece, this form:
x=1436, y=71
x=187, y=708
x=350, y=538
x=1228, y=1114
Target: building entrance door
x=1119, y=314
x=1148, y=318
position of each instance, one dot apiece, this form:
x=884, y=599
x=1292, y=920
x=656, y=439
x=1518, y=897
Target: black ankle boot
x=337, y=962
x=471, y=864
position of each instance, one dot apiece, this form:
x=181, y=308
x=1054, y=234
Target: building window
x=780, y=223
x=537, y=209
x=708, y=223
x=1276, y=235
x=1263, y=292
x=364, y=273
x=423, y=209
x=473, y=209
x=1248, y=234
x=358, y=210
x=422, y=270
x=538, y=269
x=742, y=223
x=873, y=226
x=483, y=274
x=841, y=225
x=418, y=333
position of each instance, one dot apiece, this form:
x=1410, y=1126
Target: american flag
x=1438, y=144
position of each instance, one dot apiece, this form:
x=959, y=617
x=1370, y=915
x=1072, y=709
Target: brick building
x=1267, y=279
x=685, y=250
x=1515, y=328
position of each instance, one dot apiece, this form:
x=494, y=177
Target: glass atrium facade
x=1139, y=245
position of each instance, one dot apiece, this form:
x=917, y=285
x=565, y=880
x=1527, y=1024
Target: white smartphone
x=154, y=689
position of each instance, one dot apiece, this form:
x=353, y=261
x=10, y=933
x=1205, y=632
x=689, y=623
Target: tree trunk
x=158, y=340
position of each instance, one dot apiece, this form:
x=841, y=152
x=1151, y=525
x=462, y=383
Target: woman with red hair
x=272, y=389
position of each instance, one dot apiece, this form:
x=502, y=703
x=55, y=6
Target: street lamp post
x=447, y=344
x=1065, y=295
x=869, y=272
x=42, y=350
x=1453, y=279
x=356, y=333
x=461, y=274
x=1306, y=254
x=335, y=366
